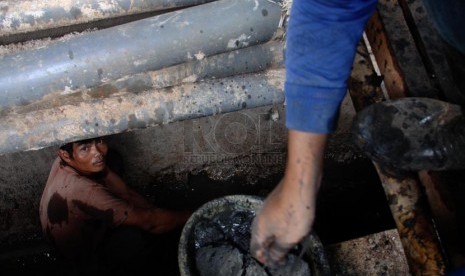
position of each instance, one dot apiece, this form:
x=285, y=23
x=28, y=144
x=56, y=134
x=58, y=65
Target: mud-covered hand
x=282, y=223
x=287, y=214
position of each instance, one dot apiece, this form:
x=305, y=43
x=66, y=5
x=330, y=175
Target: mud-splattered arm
x=117, y=185
x=288, y=212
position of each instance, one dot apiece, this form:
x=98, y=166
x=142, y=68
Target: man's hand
x=287, y=214
x=284, y=220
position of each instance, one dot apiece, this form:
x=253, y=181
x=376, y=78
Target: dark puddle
x=351, y=204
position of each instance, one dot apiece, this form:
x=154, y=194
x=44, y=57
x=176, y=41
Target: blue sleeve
x=322, y=37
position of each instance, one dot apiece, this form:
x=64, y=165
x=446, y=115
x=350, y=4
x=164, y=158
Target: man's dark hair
x=114, y=159
x=69, y=146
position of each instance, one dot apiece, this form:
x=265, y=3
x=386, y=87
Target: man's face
x=89, y=156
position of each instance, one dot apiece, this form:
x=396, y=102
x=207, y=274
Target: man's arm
x=322, y=37
x=145, y=215
x=126, y=207
x=156, y=220
x=288, y=212
x=117, y=186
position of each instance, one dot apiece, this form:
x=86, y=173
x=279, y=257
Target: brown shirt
x=76, y=211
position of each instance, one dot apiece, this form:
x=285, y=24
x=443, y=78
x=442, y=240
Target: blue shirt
x=322, y=37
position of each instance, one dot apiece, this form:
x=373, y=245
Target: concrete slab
x=376, y=254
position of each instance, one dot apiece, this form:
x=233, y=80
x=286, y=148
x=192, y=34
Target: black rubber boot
x=412, y=134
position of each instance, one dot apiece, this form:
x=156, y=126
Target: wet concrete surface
x=375, y=254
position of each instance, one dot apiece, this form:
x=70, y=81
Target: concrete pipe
x=25, y=19
x=130, y=111
x=242, y=61
x=149, y=44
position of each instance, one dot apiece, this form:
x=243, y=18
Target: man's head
x=86, y=156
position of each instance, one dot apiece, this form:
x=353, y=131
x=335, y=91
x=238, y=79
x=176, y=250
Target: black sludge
x=222, y=248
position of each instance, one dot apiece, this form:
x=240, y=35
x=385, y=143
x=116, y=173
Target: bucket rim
x=315, y=254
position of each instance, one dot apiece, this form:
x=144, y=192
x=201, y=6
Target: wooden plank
x=423, y=60
x=431, y=48
x=364, y=82
x=408, y=49
x=397, y=54
x=405, y=197
x=390, y=69
x=410, y=210
x=443, y=210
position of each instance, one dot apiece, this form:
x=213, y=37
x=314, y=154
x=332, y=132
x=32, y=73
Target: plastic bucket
x=315, y=254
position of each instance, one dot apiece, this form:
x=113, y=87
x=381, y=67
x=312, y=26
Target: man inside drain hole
x=93, y=218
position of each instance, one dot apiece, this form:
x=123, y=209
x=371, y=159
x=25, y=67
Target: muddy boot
x=412, y=134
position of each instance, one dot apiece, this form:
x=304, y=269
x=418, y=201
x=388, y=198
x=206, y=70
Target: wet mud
x=222, y=248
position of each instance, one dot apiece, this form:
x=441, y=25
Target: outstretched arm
x=144, y=214
x=156, y=220
x=123, y=191
x=288, y=212
x=322, y=37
